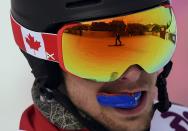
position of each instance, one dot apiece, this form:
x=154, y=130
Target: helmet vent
x=81, y=3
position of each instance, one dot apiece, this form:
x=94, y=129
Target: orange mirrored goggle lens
x=102, y=50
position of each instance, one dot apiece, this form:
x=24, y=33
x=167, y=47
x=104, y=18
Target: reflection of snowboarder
x=118, y=39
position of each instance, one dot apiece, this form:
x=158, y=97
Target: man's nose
x=132, y=74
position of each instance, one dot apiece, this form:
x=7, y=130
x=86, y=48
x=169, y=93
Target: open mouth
x=124, y=102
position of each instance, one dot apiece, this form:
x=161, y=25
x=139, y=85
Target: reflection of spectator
x=118, y=39
x=163, y=33
x=80, y=32
x=172, y=37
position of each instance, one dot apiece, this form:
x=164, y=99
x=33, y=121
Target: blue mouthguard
x=120, y=100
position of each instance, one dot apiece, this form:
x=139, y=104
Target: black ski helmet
x=49, y=16
x=39, y=15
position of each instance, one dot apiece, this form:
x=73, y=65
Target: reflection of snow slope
x=136, y=44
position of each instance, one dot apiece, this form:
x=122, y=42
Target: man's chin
x=135, y=123
x=116, y=122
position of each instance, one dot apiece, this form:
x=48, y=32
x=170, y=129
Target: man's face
x=83, y=94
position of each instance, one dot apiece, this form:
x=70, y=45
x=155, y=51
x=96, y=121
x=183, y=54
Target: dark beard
x=112, y=126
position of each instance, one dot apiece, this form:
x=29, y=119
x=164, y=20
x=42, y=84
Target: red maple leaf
x=34, y=44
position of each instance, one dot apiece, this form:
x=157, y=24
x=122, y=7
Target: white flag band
x=37, y=44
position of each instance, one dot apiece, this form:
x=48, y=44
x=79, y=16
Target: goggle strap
x=37, y=44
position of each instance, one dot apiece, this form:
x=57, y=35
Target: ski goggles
x=103, y=49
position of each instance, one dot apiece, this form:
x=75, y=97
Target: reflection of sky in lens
x=151, y=16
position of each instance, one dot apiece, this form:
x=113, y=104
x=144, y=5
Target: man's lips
x=128, y=91
x=116, y=94
x=124, y=86
x=116, y=90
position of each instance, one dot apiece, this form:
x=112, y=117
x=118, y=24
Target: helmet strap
x=164, y=103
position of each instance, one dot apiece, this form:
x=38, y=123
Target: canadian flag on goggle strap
x=40, y=45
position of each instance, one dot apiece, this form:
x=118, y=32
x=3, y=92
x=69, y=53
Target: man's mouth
x=128, y=103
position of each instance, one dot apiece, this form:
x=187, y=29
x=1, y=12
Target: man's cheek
x=154, y=93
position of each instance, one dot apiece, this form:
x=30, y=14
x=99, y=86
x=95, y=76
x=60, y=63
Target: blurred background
x=16, y=78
